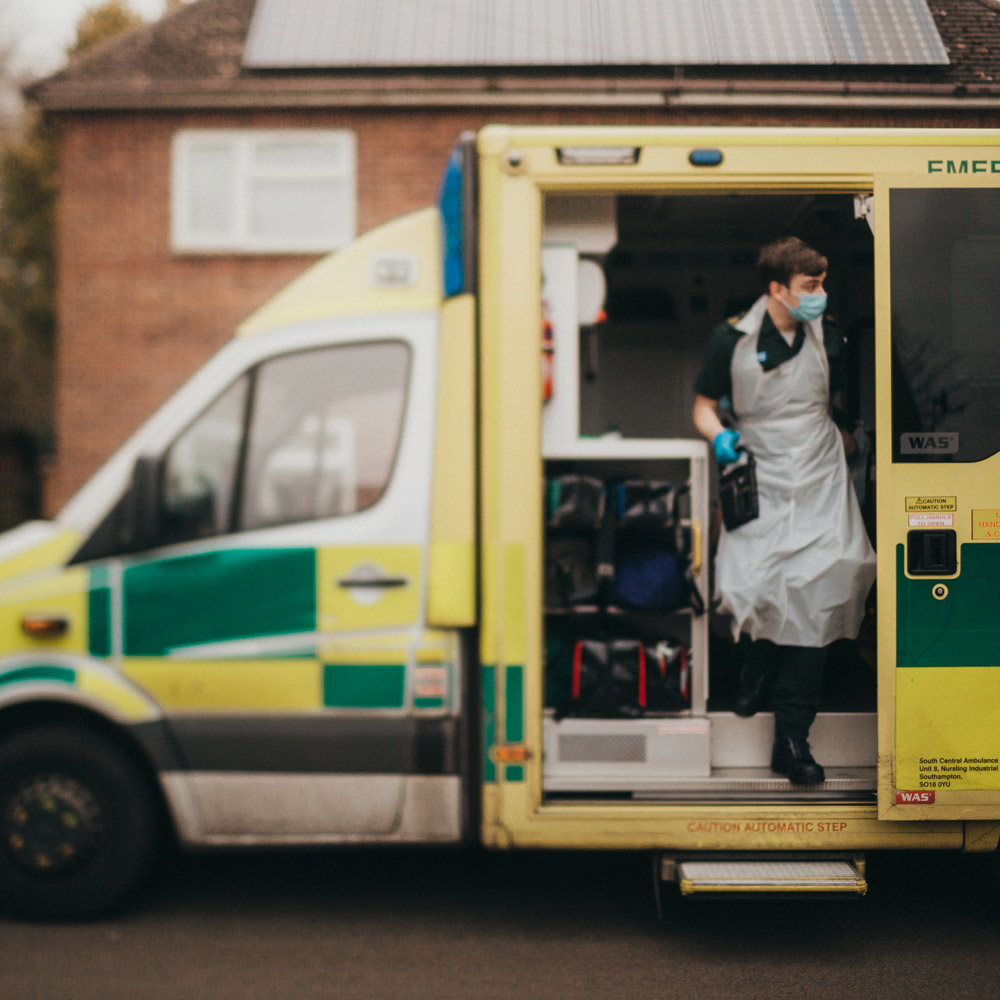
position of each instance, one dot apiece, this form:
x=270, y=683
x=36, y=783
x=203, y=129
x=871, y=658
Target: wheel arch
x=146, y=742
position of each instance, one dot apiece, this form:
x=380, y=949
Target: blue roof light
x=450, y=205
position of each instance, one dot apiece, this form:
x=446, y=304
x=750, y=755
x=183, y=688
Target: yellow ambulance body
x=312, y=599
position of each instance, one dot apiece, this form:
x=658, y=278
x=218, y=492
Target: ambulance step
x=738, y=877
x=722, y=784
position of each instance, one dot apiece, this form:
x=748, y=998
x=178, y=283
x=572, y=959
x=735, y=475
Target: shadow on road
x=463, y=923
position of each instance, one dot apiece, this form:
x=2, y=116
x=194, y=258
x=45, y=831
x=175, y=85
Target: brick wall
x=135, y=320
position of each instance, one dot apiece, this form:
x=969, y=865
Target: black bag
x=622, y=679
x=579, y=536
x=588, y=690
x=652, y=557
x=668, y=677
x=738, y=493
x=570, y=570
x=626, y=678
x=607, y=680
x=644, y=505
x=575, y=503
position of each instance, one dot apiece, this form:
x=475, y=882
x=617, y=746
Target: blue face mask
x=811, y=306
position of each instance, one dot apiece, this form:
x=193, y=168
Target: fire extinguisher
x=548, y=350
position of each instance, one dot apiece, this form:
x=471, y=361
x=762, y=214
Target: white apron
x=799, y=574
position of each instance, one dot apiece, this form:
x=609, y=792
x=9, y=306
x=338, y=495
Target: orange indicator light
x=44, y=626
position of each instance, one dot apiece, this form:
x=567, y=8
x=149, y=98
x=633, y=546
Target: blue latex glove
x=725, y=444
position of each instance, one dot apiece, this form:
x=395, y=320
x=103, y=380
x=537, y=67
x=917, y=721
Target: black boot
x=752, y=691
x=793, y=758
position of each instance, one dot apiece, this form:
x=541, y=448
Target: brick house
x=172, y=136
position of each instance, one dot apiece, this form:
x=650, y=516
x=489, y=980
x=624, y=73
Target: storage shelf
x=616, y=611
x=610, y=447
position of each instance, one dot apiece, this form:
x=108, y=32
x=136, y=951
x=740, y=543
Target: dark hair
x=781, y=260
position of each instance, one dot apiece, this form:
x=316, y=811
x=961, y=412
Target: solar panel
x=780, y=32
x=300, y=34
x=892, y=32
x=651, y=32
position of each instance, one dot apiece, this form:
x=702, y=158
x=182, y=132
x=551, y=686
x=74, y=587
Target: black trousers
x=795, y=679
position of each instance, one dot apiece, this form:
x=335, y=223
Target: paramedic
x=796, y=578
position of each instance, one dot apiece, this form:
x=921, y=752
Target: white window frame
x=243, y=143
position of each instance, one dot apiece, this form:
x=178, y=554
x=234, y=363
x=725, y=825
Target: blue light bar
x=450, y=206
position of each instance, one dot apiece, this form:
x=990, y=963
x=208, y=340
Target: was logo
x=921, y=798
x=944, y=443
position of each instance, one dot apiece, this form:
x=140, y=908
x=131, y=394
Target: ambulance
x=424, y=554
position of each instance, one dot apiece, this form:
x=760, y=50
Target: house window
x=280, y=191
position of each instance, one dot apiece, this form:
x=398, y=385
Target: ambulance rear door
x=938, y=459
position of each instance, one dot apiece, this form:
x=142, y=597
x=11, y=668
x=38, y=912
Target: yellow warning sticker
x=918, y=505
x=986, y=525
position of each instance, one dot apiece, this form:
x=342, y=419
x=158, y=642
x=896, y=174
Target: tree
x=9, y=96
x=100, y=23
x=29, y=187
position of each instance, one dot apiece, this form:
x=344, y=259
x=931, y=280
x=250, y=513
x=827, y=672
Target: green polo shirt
x=715, y=379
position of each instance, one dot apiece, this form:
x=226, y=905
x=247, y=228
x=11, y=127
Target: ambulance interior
x=654, y=274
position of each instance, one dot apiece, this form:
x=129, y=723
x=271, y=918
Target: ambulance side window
x=304, y=436
x=312, y=434
x=199, y=471
x=945, y=250
x=323, y=434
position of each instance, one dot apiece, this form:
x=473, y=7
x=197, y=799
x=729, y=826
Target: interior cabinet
x=619, y=747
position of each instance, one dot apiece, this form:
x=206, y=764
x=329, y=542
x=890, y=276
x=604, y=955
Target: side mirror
x=142, y=520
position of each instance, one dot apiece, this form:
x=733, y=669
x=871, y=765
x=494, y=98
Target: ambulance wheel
x=79, y=823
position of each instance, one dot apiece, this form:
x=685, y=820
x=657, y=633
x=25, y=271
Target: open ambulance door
x=937, y=242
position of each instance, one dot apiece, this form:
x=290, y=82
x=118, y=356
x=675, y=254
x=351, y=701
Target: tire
x=79, y=823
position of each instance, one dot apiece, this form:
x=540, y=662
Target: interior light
x=598, y=155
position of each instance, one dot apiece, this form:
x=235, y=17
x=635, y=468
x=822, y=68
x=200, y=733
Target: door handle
x=350, y=582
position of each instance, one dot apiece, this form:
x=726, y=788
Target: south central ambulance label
x=986, y=525
x=919, y=505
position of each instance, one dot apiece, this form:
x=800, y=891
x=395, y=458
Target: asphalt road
x=412, y=923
